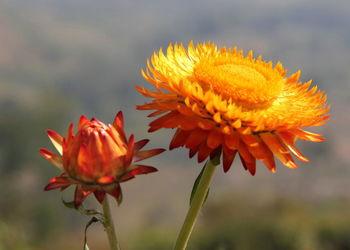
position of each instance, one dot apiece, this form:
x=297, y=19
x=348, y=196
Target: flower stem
x=196, y=204
x=109, y=226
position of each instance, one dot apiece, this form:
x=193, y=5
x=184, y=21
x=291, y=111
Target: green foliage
x=247, y=234
x=333, y=237
x=13, y=237
x=153, y=240
x=281, y=224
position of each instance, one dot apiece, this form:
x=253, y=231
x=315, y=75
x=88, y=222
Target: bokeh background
x=63, y=58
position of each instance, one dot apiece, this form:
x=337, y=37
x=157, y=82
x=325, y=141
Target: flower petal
x=100, y=195
x=82, y=121
x=228, y=157
x=278, y=149
x=80, y=195
x=247, y=159
x=131, y=149
x=248, y=165
x=158, y=123
x=140, y=144
x=53, y=158
x=195, y=138
x=179, y=139
x=259, y=150
x=288, y=140
x=143, y=169
x=203, y=152
x=145, y=154
x=115, y=191
x=307, y=136
x=193, y=151
x=119, y=125
x=214, y=139
x=58, y=182
x=232, y=140
x=69, y=136
x=56, y=140
x=106, y=180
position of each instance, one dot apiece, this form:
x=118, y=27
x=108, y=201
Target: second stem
x=196, y=204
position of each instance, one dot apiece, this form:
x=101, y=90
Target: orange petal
x=159, y=123
x=56, y=140
x=119, y=139
x=80, y=195
x=203, y=152
x=260, y=151
x=156, y=113
x=228, y=157
x=193, y=151
x=118, y=124
x=100, y=195
x=83, y=120
x=130, y=152
x=270, y=163
x=206, y=124
x=143, y=169
x=106, y=180
x=126, y=177
x=250, y=166
x=288, y=140
x=188, y=123
x=119, y=121
x=250, y=140
x=115, y=191
x=278, y=148
x=58, y=182
x=232, y=140
x=179, y=139
x=183, y=109
x=69, y=133
x=179, y=121
x=158, y=95
x=140, y=144
x=141, y=155
x=53, y=158
x=195, y=138
x=215, y=138
x=307, y=136
x=88, y=161
x=247, y=159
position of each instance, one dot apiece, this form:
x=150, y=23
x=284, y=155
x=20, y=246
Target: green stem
x=109, y=226
x=196, y=204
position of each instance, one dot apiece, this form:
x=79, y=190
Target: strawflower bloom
x=97, y=159
x=221, y=101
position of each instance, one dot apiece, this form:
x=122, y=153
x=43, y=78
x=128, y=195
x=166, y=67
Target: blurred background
x=63, y=58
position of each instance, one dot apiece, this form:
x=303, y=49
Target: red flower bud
x=97, y=158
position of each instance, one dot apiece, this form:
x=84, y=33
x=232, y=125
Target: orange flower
x=97, y=159
x=222, y=101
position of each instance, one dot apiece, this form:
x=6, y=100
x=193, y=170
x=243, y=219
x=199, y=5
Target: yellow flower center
x=248, y=83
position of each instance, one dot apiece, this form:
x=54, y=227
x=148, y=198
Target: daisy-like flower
x=221, y=101
x=97, y=159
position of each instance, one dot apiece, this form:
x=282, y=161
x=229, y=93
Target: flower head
x=221, y=101
x=97, y=158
